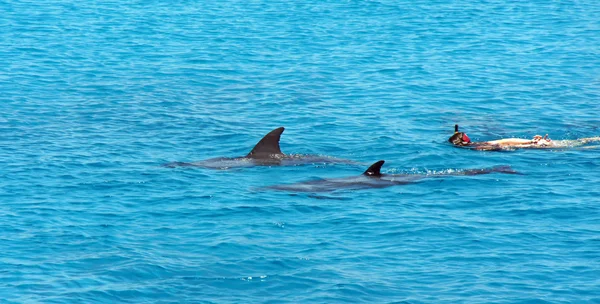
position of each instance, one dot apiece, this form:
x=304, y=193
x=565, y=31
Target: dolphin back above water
x=373, y=178
x=266, y=152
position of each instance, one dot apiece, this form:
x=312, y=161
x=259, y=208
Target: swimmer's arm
x=510, y=141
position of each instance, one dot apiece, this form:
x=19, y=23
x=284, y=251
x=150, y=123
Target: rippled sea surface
x=96, y=95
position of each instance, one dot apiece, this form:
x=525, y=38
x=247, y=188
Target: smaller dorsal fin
x=375, y=169
x=455, y=128
x=268, y=145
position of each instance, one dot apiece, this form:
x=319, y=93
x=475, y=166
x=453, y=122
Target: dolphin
x=373, y=178
x=265, y=153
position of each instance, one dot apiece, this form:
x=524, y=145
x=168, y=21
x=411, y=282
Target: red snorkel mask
x=465, y=138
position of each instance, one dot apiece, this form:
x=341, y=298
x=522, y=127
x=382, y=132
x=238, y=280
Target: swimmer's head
x=459, y=138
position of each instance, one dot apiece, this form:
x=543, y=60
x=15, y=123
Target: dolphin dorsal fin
x=455, y=128
x=268, y=145
x=375, y=169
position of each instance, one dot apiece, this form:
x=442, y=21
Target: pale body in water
x=373, y=178
x=461, y=139
x=265, y=153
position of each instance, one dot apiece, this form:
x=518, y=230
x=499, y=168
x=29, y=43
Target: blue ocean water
x=96, y=95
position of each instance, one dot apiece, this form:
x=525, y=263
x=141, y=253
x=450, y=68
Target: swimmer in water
x=461, y=139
